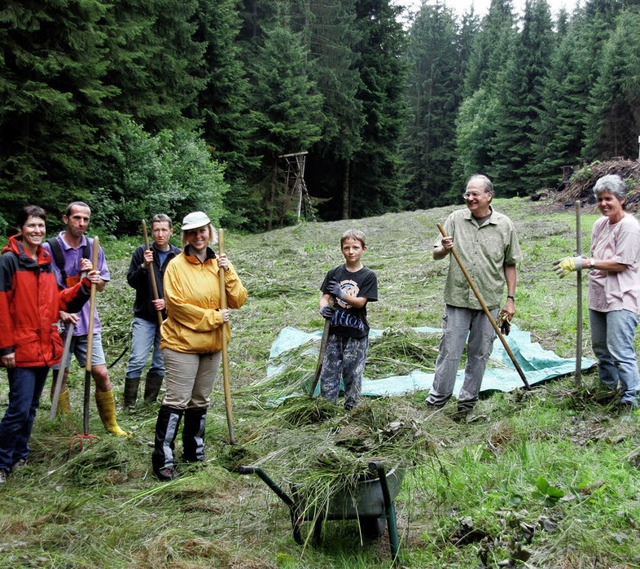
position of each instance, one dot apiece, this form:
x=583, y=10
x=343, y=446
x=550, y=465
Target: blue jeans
x=144, y=336
x=612, y=341
x=25, y=388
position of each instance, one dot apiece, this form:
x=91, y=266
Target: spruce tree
x=613, y=121
x=286, y=108
x=477, y=119
x=333, y=38
x=155, y=61
x=559, y=131
x=434, y=95
x=54, y=102
x=519, y=88
x=376, y=186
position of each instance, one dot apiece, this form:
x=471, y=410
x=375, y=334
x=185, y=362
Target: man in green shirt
x=487, y=245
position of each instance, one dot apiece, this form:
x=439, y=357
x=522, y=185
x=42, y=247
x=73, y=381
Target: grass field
x=546, y=479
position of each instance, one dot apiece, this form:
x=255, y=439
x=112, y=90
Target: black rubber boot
x=130, y=392
x=193, y=435
x=162, y=458
x=152, y=385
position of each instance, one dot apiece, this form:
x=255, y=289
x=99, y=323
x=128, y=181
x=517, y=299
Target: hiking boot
x=461, y=414
x=166, y=473
x=18, y=465
x=3, y=477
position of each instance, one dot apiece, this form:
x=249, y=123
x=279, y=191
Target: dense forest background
x=140, y=106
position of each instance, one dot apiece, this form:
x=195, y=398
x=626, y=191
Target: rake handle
x=152, y=272
x=92, y=320
x=225, y=339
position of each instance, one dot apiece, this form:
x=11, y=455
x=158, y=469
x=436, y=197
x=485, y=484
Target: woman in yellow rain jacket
x=192, y=338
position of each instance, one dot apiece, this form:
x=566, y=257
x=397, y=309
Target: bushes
x=139, y=175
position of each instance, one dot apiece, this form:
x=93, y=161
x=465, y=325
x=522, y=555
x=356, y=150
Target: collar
x=191, y=257
x=469, y=216
x=66, y=245
x=16, y=245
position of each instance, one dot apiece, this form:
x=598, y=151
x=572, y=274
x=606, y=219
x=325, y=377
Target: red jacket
x=30, y=303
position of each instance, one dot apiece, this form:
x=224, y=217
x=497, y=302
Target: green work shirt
x=484, y=251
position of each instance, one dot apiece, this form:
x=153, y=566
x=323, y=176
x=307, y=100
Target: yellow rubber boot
x=107, y=410
x=64, y=405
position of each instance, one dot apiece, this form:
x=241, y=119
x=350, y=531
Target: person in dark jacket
x=29, y=343
x=145, y=328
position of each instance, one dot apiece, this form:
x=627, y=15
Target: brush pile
x=581, y=183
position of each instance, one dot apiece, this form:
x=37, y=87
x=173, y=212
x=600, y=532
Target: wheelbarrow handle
x=389, y=508
x=269, y=482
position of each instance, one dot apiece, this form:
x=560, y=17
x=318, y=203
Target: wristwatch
x=511, y=297
x=592, y=263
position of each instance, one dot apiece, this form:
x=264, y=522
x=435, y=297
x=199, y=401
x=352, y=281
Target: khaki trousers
x=189, y=379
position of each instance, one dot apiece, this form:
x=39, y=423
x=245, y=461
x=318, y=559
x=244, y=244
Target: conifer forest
x=140, y=106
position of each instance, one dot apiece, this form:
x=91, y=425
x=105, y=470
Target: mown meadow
x=547, y=478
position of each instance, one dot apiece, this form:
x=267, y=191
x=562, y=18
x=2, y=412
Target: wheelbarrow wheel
x=373, y=528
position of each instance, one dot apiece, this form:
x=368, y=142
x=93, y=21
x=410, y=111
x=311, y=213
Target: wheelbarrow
x=372, y=504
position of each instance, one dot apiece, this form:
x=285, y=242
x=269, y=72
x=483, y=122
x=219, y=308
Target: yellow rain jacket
x=192, y=294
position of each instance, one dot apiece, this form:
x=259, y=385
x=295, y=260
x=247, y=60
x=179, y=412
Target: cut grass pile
x=322, y=452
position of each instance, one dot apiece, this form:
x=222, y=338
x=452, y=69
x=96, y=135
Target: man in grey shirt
x=487, y=246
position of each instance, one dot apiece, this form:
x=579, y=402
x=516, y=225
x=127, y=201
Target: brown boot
x=107, y=410
x=152, y=386
x=130, y=392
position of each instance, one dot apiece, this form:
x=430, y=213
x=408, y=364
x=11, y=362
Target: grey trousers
x=458, y=323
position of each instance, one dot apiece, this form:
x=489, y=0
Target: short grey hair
x=486, y=182
x=613, y=184
x=162, y=218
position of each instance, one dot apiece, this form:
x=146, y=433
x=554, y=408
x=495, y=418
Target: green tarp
x=539, y=365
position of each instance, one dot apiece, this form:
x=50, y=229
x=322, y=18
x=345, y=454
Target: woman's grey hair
x=613, y=184
x=486, y=182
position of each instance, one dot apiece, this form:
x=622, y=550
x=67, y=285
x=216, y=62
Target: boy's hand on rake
x=327, y=311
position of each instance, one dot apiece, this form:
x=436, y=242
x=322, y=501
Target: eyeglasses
x=470, y=195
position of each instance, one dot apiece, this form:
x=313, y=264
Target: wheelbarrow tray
x=366, y=500
x=372, y=504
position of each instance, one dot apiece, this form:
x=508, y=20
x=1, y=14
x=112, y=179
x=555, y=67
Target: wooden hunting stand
x=294, y=186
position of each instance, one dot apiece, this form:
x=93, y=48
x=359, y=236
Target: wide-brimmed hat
x=195, y=219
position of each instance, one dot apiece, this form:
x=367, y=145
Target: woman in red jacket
x=29, y=340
